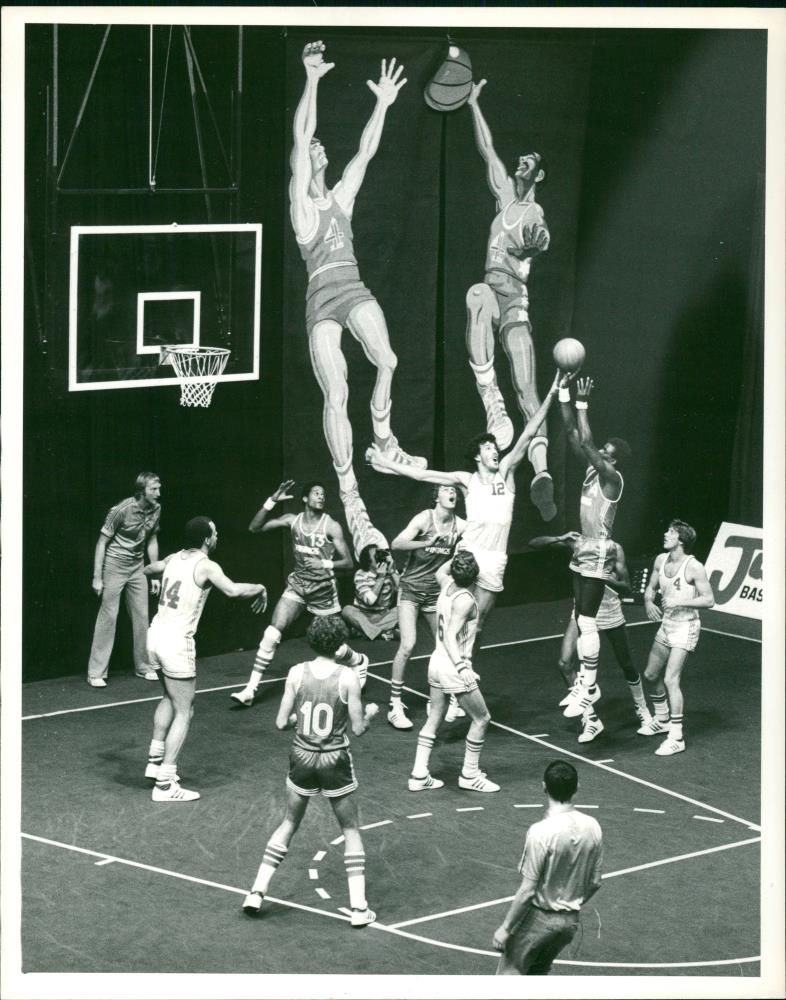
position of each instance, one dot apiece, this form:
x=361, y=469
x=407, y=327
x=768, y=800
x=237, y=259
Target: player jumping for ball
x=595, y=553
x=682, y=582
x=336, y=297
x=319, y=549
x=500, y=303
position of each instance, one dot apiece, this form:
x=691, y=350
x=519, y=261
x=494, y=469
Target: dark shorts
x=335, y=299
x=425, y=601
x=327, y=771
x=319, y=596
x=537, y=941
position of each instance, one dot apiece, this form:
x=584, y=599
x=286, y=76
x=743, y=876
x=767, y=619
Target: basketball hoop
x=198, y=370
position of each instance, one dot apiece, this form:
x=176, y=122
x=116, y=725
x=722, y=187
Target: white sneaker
x=670, y=747
x=173, y=793
x=148, y=675
x=643, y=715
x=361, y=918
x=252, y=904
x=455, y=711
x=397, y=717
x=652, y=727
x=96, y=682
x=393, y=452
x=244, y=697
x=582, y=700
x=423, y=784
x=572, y=693
x=590, y=730
x=480, y=783
x=498, y=422
x=359, y=523
x=541, y=493
x=361, y=670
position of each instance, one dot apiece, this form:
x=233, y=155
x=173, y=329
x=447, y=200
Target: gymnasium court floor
x=104, y=868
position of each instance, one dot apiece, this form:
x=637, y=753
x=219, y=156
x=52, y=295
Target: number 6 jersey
x=181, y=600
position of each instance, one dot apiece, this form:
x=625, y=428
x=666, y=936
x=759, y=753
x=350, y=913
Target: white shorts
x=680, y=634
x=442, y=674
x=491, y=565
x=174, y=654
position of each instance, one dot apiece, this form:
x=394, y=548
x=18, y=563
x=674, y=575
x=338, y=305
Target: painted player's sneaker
x=669, y=747
x=359, y=523
x=173, y=793
x=360, y=670
x=479, y=783
x=590, y=728
x=96, y=682
x=398, y=718
x=572, y=693
x=541, y=493
x=455, y=711
x=652, y=728
x=362, y=918
x=244, y=697
x=581, y=701
x=252, y=904
x=498, y=422
x=423, y=784
x=393, y=452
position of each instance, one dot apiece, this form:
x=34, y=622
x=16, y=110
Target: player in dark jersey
x=429, y=541
x=336, y=297
x=319, y=549
x=500, y=303
x=320, y=698
x=595, y=553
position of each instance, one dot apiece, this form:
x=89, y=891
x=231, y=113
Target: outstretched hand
x=314, y=60
x=472, y=100
x=282, y=493
x=386, y=91
x=259, y=603
x=584, y=387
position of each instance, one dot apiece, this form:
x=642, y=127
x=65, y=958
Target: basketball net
x=198, y=370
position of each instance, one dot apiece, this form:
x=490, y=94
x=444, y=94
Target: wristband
x=581, y=404
x=327, y=564
x=564, y=394
x=463, y=665
x=269, y=504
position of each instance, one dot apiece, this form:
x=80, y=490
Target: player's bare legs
x=276, y=849
x=285, y=613
x=663, y=674
x=471, y=777
x=367, y=325
x=656, y=689
x=516, y=340
x=567, y=657
x=180, y=694
x=345, y=810
x=482, y=317
x=407, y=624
x=618, y=637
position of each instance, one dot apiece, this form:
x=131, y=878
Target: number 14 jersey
x=181, y=599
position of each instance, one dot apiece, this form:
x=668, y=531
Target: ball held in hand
x=569, y=354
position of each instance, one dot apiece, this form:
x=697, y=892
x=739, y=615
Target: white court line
x=579, y=806
x=322, y=893
x=528, y=805
x=338, y=840
x=622, y=871
x=710, y=819
x=731, y=635
x=470, y=809
x=106, y=861
x=636, y=809
x=608, y=760
x=313, y=874
x=319, y=855
x=370, y=826
x=419, y=815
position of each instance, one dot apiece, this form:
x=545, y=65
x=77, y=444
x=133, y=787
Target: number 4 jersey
x=320, y=704
x=181, y=600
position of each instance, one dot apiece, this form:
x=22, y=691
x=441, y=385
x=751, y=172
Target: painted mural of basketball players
x=336, y=297
x=499, y=305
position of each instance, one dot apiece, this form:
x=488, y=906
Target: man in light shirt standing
x=560, y=869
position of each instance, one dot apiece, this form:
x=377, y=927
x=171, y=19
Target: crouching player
x=450, y=672
x=320, y=697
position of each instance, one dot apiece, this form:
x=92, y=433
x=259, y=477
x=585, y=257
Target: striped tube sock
x=675, y=728
x=271, y=859
x=637, y=693
x=155, y=753
x=472, y=750
x=346, y=655
x=167, y=773
x=355, y=867
x=422, y=755
x=396, y=687
x=661, y=706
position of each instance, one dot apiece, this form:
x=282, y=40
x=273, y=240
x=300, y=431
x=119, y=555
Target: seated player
x=450, y=672
x=320, y=697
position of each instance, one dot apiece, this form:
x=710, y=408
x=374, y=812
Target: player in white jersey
x=682, y=583
x=336, y=297
x=319, y=549
x=610, y=620
x=450, y=673
x=187, y=578
x=595, y=552
x=489, y=493
x=500, y=303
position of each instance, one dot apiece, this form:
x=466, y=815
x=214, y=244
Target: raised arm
x=567, y=541
x=386, y=92
x=608, y=475
x=301, y=207
x=377, y=460
x=512, y=460
x=569, y=421
x=261, y=521
x=407, y=540
x=500, y=183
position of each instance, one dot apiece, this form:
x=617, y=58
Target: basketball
x=569, y=354
x=451, y=85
